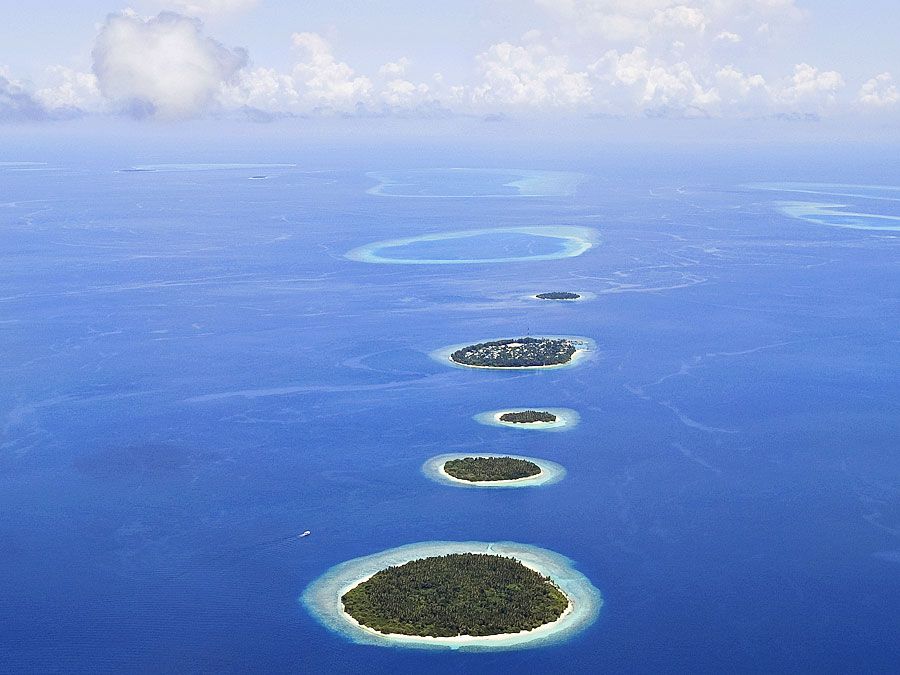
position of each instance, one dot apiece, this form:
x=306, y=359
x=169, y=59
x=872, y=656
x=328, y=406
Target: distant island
x=527, y=417
x=457, y=594
x=481, y=469
x=525, y=352
x=558, y=295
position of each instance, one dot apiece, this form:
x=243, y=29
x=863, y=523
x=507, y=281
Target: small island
x=525, y=352
x=528, y=417
x=457, y=594
x=492, y=472
x=558, y=295
x=480, y=469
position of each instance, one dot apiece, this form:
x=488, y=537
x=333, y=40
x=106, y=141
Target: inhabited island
x=525, y=352
x=558, y=295
x=457, y=594
x=528, y=417
x=481, y=469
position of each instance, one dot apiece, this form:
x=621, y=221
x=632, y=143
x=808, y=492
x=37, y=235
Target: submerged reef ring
x=566, y=419
x=468, y=183
x=551, y=472
x=504, y=353
x=836, y=215
x=323, y=597
x=571, y=241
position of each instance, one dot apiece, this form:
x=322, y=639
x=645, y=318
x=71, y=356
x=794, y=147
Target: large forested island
x=456, y=594
x=558, y=295
x=480, y=469
x=526, y=352
x=527, y=417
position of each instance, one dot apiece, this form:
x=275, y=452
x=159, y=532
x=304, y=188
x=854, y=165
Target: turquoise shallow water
x=863, y=207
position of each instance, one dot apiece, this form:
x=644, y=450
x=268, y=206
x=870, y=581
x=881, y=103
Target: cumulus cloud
x=879, y=92
x=162, y=66
x=210, y=7
x=394, y=68
x=16, y=104
x=808, y=90
x=322, y=79
x=636, y=81
x=71, y=90
x=528, y=75
x=19, y=104
x=640, y=22
x=321, y=83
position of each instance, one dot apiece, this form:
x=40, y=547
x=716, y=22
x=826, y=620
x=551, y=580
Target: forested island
x=527, y=417
x=558, y=295
x=471, y=594
x=480, y=469
x=526, y=352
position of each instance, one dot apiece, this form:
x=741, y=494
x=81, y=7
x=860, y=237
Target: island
x=479, y=469
x=528, y=417
x=322, y=598
x=457, y=594
x=558, y=295
x=525, y=352
x=486, y=471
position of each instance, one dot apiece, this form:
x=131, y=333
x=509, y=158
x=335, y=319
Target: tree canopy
x=456, y=594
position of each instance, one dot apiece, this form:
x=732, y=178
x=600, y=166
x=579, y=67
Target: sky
x=264, y=60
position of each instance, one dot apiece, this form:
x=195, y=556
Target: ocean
x=194, y=371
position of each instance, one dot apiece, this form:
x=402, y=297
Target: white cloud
x=16, y=104
x=322, y=79
x=263, y=89
x=401, y=93
x=637, y=22
x=394, y=68
x=879, y=92
x=70, y=89
x=808, y=90
x=741, y=94
x=728, y=36
x=210, y=7
x=636, y=82
x=162, y=66
x=528, y=76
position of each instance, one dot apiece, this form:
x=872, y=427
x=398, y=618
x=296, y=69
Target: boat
x=305, y=533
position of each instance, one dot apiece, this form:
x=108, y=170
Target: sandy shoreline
x=566, y=419
x=323, y=597
x=551, y=472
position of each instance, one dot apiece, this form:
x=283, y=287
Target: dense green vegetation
x=477, y=469
x=456, y=594
x=558, y=295
x=516, y=352
x=527, y=417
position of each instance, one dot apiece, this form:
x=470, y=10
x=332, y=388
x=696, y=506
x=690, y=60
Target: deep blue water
x=193, y=373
